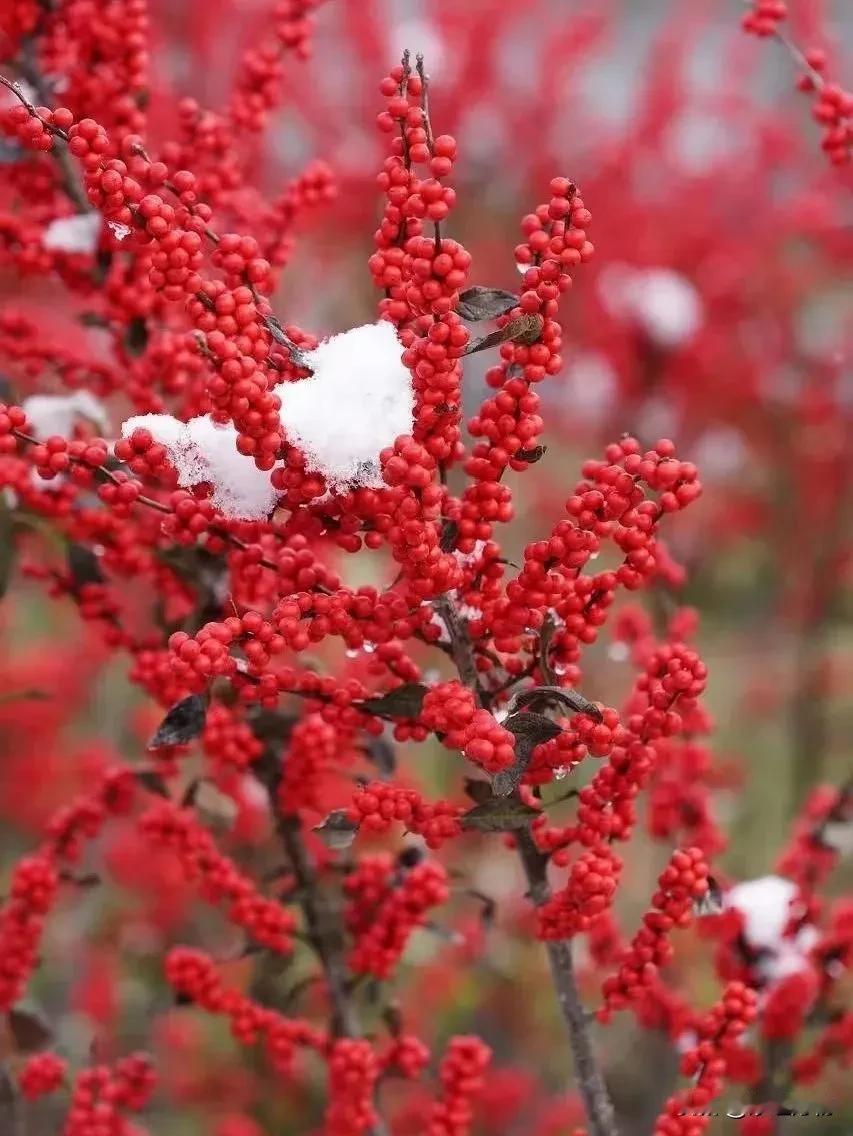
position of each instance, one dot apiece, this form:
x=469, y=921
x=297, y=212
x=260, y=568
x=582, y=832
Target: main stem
x=596, y=1099
x=599, y=1108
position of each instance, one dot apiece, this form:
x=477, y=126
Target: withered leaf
x=711, y=903
x=478, y=791
x=403, y=702
x=449, y=533
x=151, y=780
x=499, y=815
x=83, y=566
x=337, y=830
x=184, y=722
x=531, y=456
x=556, y=695
x=382, y=755
x=136, y=337
x=529, y=730
x=485, y=303
x=29, y=1031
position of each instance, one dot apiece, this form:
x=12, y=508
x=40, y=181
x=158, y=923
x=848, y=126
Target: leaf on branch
x=529, y=730
x=449, y=533
x=499, y=815
x=525, y=329
x=382, y=755
x=478, y=791
x=531, y=456
x=28, y=1030
x=485, y=303
x=151, y=780
x=403, y=702
x=83, y=566
x=711, y=903
x=136, y=337
x=545, y=696
x=184, y=722
x=337, y=831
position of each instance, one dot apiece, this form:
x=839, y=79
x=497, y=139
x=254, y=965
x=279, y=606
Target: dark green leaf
x=403, y=702
x=28, y=1030
x=136, y=337
x=381, y=754
x=499, y=815
x=532, y=455
x=545, y=696
x=449, y=533
x=478, y=791
x=485, y=303
x=529, y=730
x=83, y=566
x=184, y=722
x=151, y=780
x=337, y=830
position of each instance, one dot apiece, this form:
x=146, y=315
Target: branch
x=599, y=1108
x=597, y=1103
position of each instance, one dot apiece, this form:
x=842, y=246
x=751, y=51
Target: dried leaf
x=530, y=730
x=711, y=903
x=532, y=455
x=545, y=696
x=403, y=702
x=478, y=791
x=28, y=1030
x=136, y=337
x=485, y=303
x=499, y=815
x=449, y=533
x=337, y=830
x=151, y=780
x=382, y=755
x=83, y=566
x=184, y=722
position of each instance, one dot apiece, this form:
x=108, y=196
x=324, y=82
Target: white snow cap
x=203, y=450
x=357, y=401
x=664, y=303
x=73, y=234
x=765, y=904
x=56, y=413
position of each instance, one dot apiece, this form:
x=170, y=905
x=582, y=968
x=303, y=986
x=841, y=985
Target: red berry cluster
x=718, y=1033
x=353, y=1071
x=267, y=922
x=450, y=710
x=462, y=1079
x=32, y=892
x=193, y=975
x=102, y=1093
x=376, y=806
x=397, y=902
x=41, y=1074
x=681, y=884
x=764, y=17
x=587, y=894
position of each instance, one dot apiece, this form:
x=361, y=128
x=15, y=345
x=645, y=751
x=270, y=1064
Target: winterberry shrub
x=353, y=777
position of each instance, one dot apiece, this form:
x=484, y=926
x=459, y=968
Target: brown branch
x=596, y=1099
x=597, y=1103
